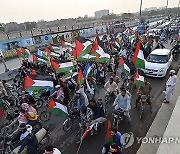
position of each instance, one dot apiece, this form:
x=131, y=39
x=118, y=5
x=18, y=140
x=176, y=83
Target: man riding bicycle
x=111, y=87
x=122, y=102
x=79, y=103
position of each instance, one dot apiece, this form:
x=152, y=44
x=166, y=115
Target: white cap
x=29, y=128
x=57, y=86
x=172, y=71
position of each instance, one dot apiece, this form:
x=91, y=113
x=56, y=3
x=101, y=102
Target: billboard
x=8, y=47
x=46, y=39
x=84, y=33
x=40, y=41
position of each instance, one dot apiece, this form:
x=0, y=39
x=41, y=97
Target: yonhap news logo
x=129, y=139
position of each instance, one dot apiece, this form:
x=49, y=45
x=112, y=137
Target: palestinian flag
x=102, y=58
x=108, y=133
x=68, y=75
x=50, y=45
x=117, y=46
x=124, y=64
x=35, y=87
x=66, y=44
x=139, y=79
x=80, y=79
x=51, y=53
x=128, y=30
x=55, y=48
x=74, y=53
x=119, y=37
x=19, y=53
x=38, y=59
x=83, y=47
x=1, y=112
x=57, y=108
x=25, y=52
x=62, y=67
x=98, y=51
x=113, y=49
x=139, y=56
x=89, y=128
x=132, y=37
x=87, y=57
x=33, y=72
x=42, y=54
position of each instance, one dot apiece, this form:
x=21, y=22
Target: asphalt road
x=93, y=144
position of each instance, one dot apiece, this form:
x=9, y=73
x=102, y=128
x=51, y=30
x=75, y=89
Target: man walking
x=170, y=86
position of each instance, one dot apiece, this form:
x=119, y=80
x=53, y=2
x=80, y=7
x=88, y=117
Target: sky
x=34, y=10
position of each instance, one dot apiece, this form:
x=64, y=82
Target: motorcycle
x=118, y=116
x=111, y=95
x=143, y=101
x=5, y=148
x=68, y=123
x=86, y=126
x=10, y=118
x=175, y=55
x=43, y=137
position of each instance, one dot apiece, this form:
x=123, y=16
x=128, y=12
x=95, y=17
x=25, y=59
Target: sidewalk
x=172, y=132
x=160, y=125
x=9, y=75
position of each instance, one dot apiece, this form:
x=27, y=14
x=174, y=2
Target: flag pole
x=79, y=147
x=19, y=60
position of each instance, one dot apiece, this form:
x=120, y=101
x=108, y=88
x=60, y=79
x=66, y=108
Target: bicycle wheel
x=67, y=125
x=141, y=113
x=36, y=127
x=45, y=116
x=78, y=137
x=44, y=142
x=20, y=90
x=39, y=103
x=7, y=150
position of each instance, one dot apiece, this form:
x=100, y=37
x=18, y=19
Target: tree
x=109, y=17
x=127, y=15
x=1, y=27
x=30, y=25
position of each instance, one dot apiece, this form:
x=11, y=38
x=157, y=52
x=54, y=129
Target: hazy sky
x=34, y=10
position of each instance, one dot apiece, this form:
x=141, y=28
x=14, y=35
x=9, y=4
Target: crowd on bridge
x=69, y=84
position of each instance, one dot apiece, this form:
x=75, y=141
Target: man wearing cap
x=170, y=85
x=29, y=140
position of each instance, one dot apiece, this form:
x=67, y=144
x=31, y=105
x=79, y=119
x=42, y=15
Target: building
x=99, y=14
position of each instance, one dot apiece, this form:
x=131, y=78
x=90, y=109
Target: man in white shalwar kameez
x=170, y=86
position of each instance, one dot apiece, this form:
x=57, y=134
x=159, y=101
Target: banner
x=56, y=38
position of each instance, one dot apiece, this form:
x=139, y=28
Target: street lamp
x=3, y=61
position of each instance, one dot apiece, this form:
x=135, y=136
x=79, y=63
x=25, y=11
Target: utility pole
x=140, y=12
x=3, y=61
x=167, y=7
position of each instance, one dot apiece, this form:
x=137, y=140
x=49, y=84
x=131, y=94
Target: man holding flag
x=144, y=90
